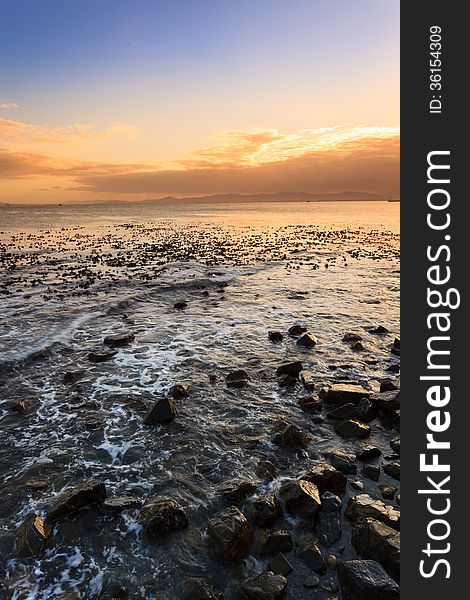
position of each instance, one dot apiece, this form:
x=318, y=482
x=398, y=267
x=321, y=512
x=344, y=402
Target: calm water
x=72, y=275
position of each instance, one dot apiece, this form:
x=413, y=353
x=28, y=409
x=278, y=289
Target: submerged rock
x=373, y=539
x=366, y=580
x=345, y=393
x=162, y=411
x=32, y=536
x=115, y=591
x=266, y=470
x=237, y=378
x=118, y=341
x=308, y=340
x=161, y=516
x=379, y=330
x=301, y=497
x=266, y=586
x=290, y=436
x=73, y=499
x=231, y=533
x=352, y=337
x=292, y=369
x=363, y=506
x=73, y=376
x=198, y=589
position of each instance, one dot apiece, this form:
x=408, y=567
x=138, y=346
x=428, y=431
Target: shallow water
x=72, y=275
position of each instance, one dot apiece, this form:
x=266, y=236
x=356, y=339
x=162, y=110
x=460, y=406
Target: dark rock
x=198, y=589
x=308, y=551
x=292, y=369
x=329, y=524
x=276, y=541
x=387, y=385
x=307, y=382
x=363, y=506
x=32, y=536
x=237, y=378
x=326, y=478
x=180, y=305
x=365, y=411
x=395, y=350
x=380, y=330
x=368, y=452
x=93, y=422
x=357, y=346
x=73, y=499
x=345, y=393
x=266, y=470
x=99, y=357
x=388, y=491
x=24, y=406
x=179, y=391
x=115, y=591
x=297, y=330
x=288, y=381
x=346, y=411
x=372, y=472
x=73, y=376
x=161, y=516
x=352, y=337
x=280, y=565
x=309, y=404
x=290, y=436
x=352, y=428
x=231, y=533
x=266, y=586
x=312, y=581
x=115, y=506
x=396, y=343
x=373, y=539
x=118, y=341
x=266, y=509
x=161, y=411
x=393, y=368
x=301, y=497
x=392, y=469
x=366, y=580
x=342, y=461
x=395, y=444
x=357, y=485
x=308, y=340
x=275, y=336
x=237, y=491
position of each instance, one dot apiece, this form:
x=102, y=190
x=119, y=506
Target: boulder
x=237, y=378
x=292, y=369
x=99, y=357
x=231, y=533
x=326, y=478
x=266, y=509
x=290, y=436
x=366, y=580
x=162, y=411
x=276, y=541
x=198, y=589
x=32, y=536
x=118, y=341
x=329, y=523
x=161, y=516
x=307, y=340
x=373, y=539
x=75, y=498
x=363, y=506
x=345, y=393
x=266, y=586
x=300, y=497
x=352, y=428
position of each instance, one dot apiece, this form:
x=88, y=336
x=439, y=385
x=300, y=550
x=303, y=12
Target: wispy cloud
x=8, y=105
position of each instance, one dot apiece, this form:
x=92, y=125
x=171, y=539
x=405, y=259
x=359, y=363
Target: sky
x=137, y=99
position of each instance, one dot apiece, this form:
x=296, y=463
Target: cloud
x=8, y=105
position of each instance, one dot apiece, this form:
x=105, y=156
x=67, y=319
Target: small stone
x=117, y=341
x=352, y=337
x=330, y=586
x=312, y=581
x=332, y=563
x=388, y=491
x=266, y=470
x=292, y=369
x=275, y=336
x=266, y=586
x=357, y=346
x=372, y=472
x=357, y=485
x=392, y=469
x=297, y=330
x=237, y=378
x=161, y=411
x=307, y=340
x=180, y=305
x=280, y=565
x=352, y=428
x=290, y=436
x=73, y=376
x=395, y=444
x=380, y=330
x=99, y=357
x=368, y=452
x=342, y=461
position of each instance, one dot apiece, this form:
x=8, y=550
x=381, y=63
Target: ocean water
x=71, y=275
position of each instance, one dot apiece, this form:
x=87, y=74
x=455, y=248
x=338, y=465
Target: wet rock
x=308, y=551
x=352, y=428
x=231, y=533
x=332, y=563
x=368, y=452
x=387, y=385
x=329, y=585
x=198, y=589
x=24, y=406
x=115, y=506
x=266, y=586
x=93, y=422
x=357, y=346
x=292, y=369
x=345, y=393
x=75, y=498
x=371, y=472
x=342, y=461
x=346, y=411
x=373, y=539
x=37, y=483
x=32, y=536
x=357, y=485
x=237, y=378
x=161, y=516
x=266, y=470
x=387, y=401
x=365, y=411
x=118, y=341
x=309, y=404
x=352, y=337
x=329, y=523
x=392, y=469
x=363, y=506
x=326, y=478
x=179, y=391
x=237, y=491
x=380, y=330
x=300, y=497
x=312, y=581
x=307, y=382
x=308, y=340
x=276, y=541
x=275, y=336
x=297, y=330
x=115, y=591
x=366, y=580
x=99, y=357
x=162, y=411
x=393, y=368
x=280, y=565
x=388, y=491
x=395, y=444
x=180, y=305
x=73, y=376
x=290, y=436
x=288, y=381
x=266, y=509
x=396, y=343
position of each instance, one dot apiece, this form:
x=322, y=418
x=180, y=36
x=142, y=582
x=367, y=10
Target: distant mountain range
x=276, y=197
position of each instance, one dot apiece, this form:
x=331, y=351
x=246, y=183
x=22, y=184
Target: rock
x=308, y=551
x=380, y=330
x=366, y=580
x=357, y=485
x=307, y=340
x=37, y=483
x=342, y=461
x=329, y=585
x=237, y=378
x=115, y=506
x=280, y=565
x=161, y=516
x=24, y=406
x=275, y=336
x=266, y=586
x=352, y=428
x=373, y=539
x=73, y=499
x=161, y=411
x=398, y=499
x=266, y=509
x=290, y=436
x=32, y=536
x=292, y=369
x=363, y=506
x=309, y=404
x=392, y=469
x=352, y=337
x=300, y=497
x=99, y=357
x=115, y=591
x=288, y=381
x=357, y=346
x=326, y=478
x=118, y=341
x=93, y=422
x=387, y=401
x=332, y=563
x=312, y=581
x=365, y=411
x=307, y=382
x=329, y=523
x=368, y=452
x=179, y=391
x=395, y=444
x=275, y=541
x=237, y=491
x=372, y=472
x=266, y=470
x=387, y=385
x=345, y=393
x=346, y=411
x=198, y=589
x=73, y=376
x=180, y=305
x=388, y=491
x=231, y=533
x=297, y=330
